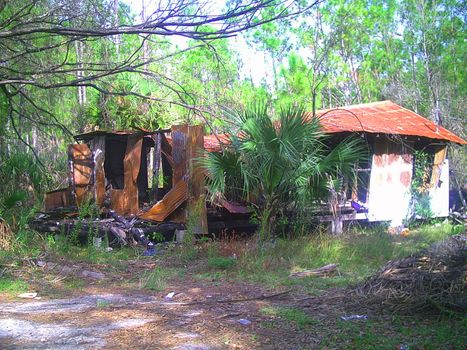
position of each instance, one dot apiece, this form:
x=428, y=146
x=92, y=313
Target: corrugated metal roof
x=385, y=117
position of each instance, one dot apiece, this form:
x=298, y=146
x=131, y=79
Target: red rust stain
x=407, y=158
x=392, y=157
x=405, y=178
x=378, y=160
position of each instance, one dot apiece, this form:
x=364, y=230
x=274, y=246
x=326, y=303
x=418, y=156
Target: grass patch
x=444, y=333
x=221, y=262
x=358, y=254
x=156, y=279
x=299, y=318
x=12, y=286
x=101, y=304
x=72, y=283
x=212, y=276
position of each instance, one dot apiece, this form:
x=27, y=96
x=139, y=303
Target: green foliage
x=155, y=280
x=278, y=167
x=12, y=286
x=358, y=255
x=414, y=332
x=420, y=187
x=298, y=317
x=221, y=262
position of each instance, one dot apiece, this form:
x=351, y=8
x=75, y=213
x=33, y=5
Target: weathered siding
x=439, y=194
x=390, y=179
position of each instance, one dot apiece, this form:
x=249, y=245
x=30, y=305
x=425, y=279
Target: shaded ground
x=97, y=306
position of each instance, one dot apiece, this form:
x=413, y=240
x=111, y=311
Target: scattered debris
x=244, y=322
x=433, y=279
x=41, y=263
x=186, y=335
x=402, y=347
x=323, y=271
x=169, y=296
x=92, y=275
x=27, y=295
x=354, y=317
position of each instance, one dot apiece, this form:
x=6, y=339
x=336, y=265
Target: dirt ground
x=108, y=310
x=106, y=313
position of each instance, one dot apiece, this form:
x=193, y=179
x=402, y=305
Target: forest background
x=70, y=67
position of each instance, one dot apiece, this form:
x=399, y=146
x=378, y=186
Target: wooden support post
x=196, y=191
x=187, y=147
x=156, y=166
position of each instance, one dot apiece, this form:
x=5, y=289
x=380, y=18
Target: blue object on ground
x=150, y=251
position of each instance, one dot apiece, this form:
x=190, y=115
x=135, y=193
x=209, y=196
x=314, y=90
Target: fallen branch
x=319, y=272
x=228, y=301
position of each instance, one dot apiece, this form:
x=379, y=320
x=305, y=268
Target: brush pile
x=6, y=235
x=434, y=279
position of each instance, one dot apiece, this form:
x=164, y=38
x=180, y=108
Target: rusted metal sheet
x=438, y=161
x=81, y=167
x=233, y=207
x=57, y=199
x=390, y=179
x=385, y=117
x=211, y=143
x=179, y=152
x=125, y=202
x=167, y=205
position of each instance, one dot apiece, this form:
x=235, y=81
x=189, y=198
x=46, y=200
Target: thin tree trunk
x=79, y=46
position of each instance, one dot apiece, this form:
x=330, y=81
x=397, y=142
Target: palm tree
x=279, y=164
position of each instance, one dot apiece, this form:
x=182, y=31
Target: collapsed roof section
x=137, y=173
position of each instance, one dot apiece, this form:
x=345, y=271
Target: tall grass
x=358, y=255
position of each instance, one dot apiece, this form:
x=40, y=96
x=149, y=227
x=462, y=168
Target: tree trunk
x=79, y=47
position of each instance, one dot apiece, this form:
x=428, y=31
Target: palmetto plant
x=279, y=163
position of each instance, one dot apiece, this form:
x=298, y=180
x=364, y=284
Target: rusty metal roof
x=95, y=133
x=385, y=117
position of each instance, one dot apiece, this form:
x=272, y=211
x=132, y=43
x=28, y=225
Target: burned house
x=149, y=181
x=152, y=176
x=145, y=176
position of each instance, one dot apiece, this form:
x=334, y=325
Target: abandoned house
x=393, y=134
x=152, y=176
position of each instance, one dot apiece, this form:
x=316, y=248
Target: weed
x=73, y=283
x=444, y=333
x=299, y=318
x=12, y=286
x=358, y=255
x=212, y=276
x=102, y=304
x=155, y=279
x=222, y=263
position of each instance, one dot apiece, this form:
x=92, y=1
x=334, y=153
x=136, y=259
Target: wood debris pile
x=434, y=279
